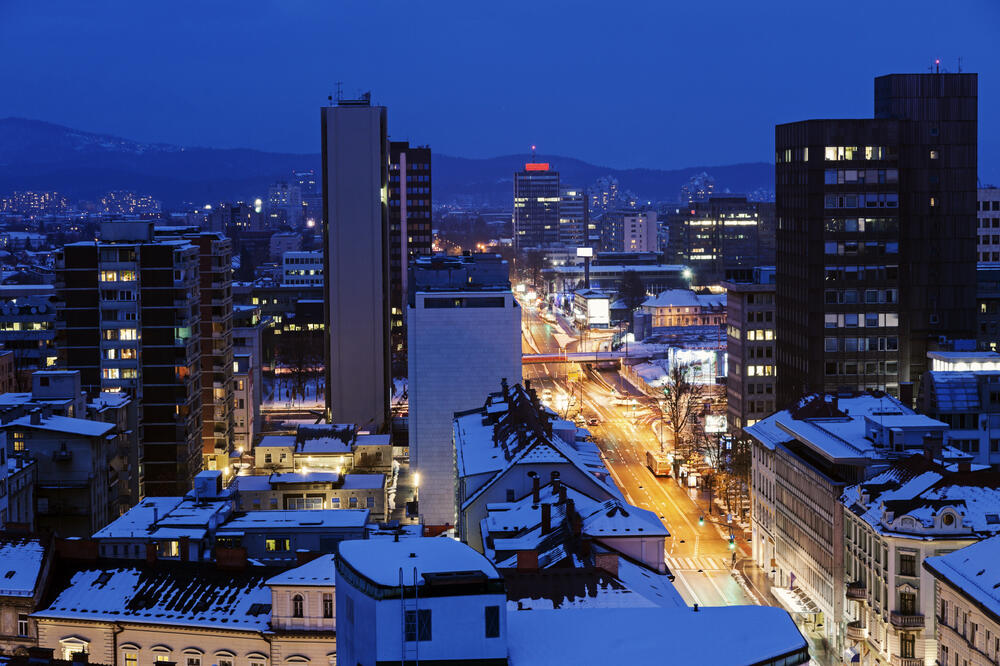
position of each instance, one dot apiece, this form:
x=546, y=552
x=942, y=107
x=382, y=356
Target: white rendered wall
x=457, y=357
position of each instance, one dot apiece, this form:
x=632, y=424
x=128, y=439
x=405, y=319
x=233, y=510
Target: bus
x=658, y=463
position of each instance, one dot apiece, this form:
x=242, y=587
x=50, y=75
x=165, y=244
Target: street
x=698, y=555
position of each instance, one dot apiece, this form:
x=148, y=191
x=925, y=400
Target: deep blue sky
x=655, y=83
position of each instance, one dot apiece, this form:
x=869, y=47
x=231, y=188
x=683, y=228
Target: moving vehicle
x=658, y=463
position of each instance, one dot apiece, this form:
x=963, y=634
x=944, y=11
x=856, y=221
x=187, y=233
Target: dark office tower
x=130, y=321
x=574, y=216
x=356, y=238
x=536, y=206
x=876, y=239
x=409, y=225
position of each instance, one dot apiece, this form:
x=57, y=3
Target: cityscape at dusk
x=515, y=335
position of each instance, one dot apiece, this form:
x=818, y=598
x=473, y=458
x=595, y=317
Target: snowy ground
x=280, y=392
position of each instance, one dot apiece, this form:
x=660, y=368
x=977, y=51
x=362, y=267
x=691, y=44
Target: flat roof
x=381, y=560
x=255, y=520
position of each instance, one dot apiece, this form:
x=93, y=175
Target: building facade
x=750, y=349
x=988, y=220
x=130, y=321
x=536, y=206
x=861, y=294
x=356, y=239
x=410, y=233
x=464, y=330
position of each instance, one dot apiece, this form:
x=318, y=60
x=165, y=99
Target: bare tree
x=681, y=401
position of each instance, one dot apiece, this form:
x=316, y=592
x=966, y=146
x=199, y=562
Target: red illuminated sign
x=536, y=166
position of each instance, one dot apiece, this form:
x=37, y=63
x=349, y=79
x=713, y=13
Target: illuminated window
x=111, y=373
x=109, y=276
x=935, y=154
x=127, y=334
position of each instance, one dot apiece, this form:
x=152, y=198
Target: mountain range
x=36, y=155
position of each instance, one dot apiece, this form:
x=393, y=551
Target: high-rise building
x=464, y=337
x=356, y=237
x=876, y=239
x=988, y=212
x=626, y=230
x=722, y=238
x=574, y=216
x=536, y=206
x=409, y=224
x=284, y=201
x=130, y=321
x=750, y=349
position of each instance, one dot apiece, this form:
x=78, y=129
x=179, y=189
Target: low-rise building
x=281, y=537
x=26, y=563
x=432, y=598
x=592, y=308
x=512, y=434
x=683, y=307
x=915, y=509
x=967, y=603
x=311, y=491
x=192, y=614
x=323, y=447
x=750, y=350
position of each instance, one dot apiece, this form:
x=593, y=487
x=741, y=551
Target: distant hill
x=82, y=165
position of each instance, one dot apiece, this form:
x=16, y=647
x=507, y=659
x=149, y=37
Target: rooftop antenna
x=937, y=65
x=959, y=64
x=533, y=152
x=340, y=91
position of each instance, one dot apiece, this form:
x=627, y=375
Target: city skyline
x=186, y=96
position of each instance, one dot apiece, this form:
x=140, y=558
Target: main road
x=699, y=555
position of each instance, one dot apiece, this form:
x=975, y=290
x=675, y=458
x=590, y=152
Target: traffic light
x=732, y=543
x=701, y=520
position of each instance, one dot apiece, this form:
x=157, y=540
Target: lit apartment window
x=127, y=334
x=109, y=276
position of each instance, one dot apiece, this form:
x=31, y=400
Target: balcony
x=906, y=661
x=907, y=621
x=857, y=631
x=857, y=591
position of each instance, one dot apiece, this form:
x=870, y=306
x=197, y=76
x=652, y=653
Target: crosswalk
x=696, y=563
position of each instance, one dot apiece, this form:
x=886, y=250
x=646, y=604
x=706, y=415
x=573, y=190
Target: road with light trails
x=698, y=555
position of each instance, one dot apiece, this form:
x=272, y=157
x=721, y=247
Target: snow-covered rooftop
x=287, y=441
x=138, y=520
x=189, y=596
x=672, y=298
x=318, y=572
x=973, y=570
x=323, y=445
x=257, y=520
x=65, y=424
x=654, y=636
x=21, y=560
x=381, y=560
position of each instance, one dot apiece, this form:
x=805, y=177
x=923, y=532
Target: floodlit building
x=464, y=329
x=302, y=268
x=683, y=307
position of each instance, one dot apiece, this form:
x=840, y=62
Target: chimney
x=546, y=518
x=933, y=444
x=81, y=658
x=535, y=487
x=608, y=562
x=36, y=417
x=964, y=465
x=696, y=608
x=185, y=548
x=906, y=393
x=562, y=493
x=150, y=552
x=554, y=477
x=527, y=560
x=573, y=517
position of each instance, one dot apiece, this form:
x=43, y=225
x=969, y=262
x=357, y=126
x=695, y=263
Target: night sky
x=653, y=83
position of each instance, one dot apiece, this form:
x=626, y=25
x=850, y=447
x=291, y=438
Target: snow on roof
x=189, y=596
x=138, y=520
x=318, y=572
x=257, y=520
x=921, y=489
x=685, y=298
x=974, y=571
x=21, y=560
x=65, y=424
x=598, y=269
x=323, y=445
x=381, y=560
x=108, y=399
x=364, y=481
x=277, y=440
x=639, y=636
x=304, y=477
